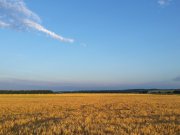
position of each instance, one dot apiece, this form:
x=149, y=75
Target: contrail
x=15, y=15
x=42, y=29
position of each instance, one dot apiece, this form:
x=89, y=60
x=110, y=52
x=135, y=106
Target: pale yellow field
x=119, y=114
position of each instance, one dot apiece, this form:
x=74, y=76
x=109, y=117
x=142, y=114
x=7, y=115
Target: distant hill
x=26, y=92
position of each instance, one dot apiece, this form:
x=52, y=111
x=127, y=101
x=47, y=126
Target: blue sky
x=95, y=44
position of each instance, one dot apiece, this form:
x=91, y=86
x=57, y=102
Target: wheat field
x=69, y=114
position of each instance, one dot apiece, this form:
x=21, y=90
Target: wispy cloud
x=164, y=2
x=3, y=24
x=15, y=15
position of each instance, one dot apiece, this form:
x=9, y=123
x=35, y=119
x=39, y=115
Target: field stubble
x=90, y=114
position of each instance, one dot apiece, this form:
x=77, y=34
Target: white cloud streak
x=15, y=15
x=40, y=28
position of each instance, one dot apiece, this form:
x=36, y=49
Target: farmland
x=89, y=114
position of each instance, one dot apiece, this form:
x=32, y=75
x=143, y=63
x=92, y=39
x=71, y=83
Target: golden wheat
x=120, y=114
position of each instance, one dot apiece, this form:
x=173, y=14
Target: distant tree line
x=140, y=91
x=173, y=91
x=177, y=92
x=26, y=92
x=131, y=91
